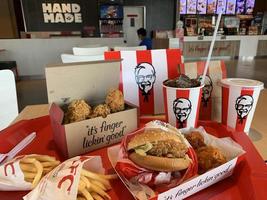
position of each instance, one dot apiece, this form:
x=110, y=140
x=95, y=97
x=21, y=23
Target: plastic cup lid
x=241, y=82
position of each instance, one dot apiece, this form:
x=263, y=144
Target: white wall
x=248, y=46
x=32, y=55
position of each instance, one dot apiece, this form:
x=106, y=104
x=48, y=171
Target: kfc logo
x=145, y=76
x=207, y=89
x=182, y=108
x=69, y=178
x=243, y=106
x=11, y=167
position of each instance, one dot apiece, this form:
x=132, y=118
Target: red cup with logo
x=239, y=100
x=182, y=105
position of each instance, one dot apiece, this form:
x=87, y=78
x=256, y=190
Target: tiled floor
x=34, y=91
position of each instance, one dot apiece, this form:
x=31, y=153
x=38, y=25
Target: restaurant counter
x=258, y=131
x=232, y=46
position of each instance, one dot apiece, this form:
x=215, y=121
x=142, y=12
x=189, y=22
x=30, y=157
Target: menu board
x=191, y=7
x=249, y=6
x=240, y=6
x=230, y=8
x=57, y=15
x=221, y=6
x=211, y=6
x=182, y=6
x=202, y=6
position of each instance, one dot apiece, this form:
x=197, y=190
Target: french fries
x=93, y=186
x=34, y=167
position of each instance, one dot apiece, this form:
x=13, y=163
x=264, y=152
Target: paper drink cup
x=239, y=100
x=182, y=105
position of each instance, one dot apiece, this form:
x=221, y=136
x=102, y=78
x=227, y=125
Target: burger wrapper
x=63, y=181
x=160, y=181
x=12, y=177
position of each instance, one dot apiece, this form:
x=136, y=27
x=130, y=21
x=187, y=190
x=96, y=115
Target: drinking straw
x=211, y=48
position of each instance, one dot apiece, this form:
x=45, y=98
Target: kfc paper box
x=89, y=81
x=142, y=73
x=232, y=153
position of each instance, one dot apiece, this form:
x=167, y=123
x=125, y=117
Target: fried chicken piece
x=209, y=157
x=78, y=110
x=195, y=139
x=100, y=110
x=115, y=100
x=168, y=148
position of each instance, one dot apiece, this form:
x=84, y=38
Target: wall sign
x=60, y=15
x=221, y=48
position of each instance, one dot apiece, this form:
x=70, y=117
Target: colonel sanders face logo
x=182, y=109
x=145, y=77
x=207, y=89
x=243, y=106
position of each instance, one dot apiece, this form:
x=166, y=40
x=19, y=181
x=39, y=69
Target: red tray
x=248, y=181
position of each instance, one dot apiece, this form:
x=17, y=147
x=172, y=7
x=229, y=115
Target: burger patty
x=168, y=148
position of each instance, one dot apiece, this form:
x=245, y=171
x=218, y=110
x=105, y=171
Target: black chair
x=12, y=65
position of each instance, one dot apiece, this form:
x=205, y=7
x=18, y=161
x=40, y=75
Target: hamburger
x=159, y=150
